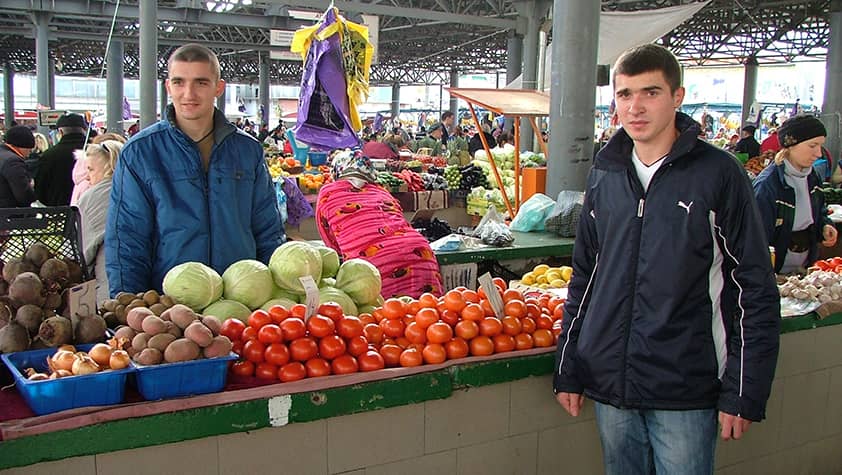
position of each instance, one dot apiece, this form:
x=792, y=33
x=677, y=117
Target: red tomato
x=237, y=347
x=434, y=353
x=331, y=346
x=511, y=325
x=481, y=346
x=298, y=310
x=250, y=333
x=456, y=348
x=317, y=367
x=277, y=354
x=415, y=333
x=503, y=343
x=320, y=326
x=266, y=371
x=544, y=321
x=371, y=361
x=439, y=332
x=542, y=337
x=490, y=326
x=467, y=329
x=304, y=348
x=392, y=327
x=349, y=326
x=344, y=364
x=373, y=333
x=523, y=341
x=411, y=357
x=332, y=310
x=357, y=345
x=243, y=368
x=270, y=333
x=232, y=328
x=292, y=372
x=426, y=317
x=278, y=313
x=293, y=328
x=391, y=355
x=253, y=351
x=450, y=317
x=258, y=318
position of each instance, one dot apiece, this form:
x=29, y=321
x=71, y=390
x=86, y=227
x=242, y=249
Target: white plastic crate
x=459, y=275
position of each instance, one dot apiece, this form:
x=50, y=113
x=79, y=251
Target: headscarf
x=353, y=166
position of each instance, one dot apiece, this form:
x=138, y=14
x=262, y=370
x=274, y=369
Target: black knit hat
x=799, y=128
x=71, y=120
x=20, y=136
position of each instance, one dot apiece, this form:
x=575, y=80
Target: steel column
x=749, y=91
x=8, y=94
x=148, y=47
x=114, y=87
x=263, y=89
x=832, y=107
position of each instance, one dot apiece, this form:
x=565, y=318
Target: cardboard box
x=418, y=200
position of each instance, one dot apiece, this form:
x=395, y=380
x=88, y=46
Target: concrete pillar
x=114, y=87
x=164, y=99
x=148, y=46
x=832, y=107
x=514, y=62
x=572, y=98
x=51, y=94
x=220, y=100
x=454, y=101
x=42, y=61
x=263, y=91
x=749, y=91
x=396, y=100
x=8, y=94
x=533, y=13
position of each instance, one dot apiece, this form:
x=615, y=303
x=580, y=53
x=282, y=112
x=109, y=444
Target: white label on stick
x=493, y=294
x=82, y=299
x=311, y=292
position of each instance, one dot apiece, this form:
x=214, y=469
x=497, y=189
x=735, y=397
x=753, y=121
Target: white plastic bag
x=532, y=213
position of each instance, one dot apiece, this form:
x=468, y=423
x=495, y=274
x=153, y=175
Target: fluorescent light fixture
x=304, y=14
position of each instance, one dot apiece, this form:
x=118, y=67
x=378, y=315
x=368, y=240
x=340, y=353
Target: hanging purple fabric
x=323, y=112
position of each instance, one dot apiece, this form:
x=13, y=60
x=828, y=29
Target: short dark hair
x=648, y=58
x=446, y=115
x=196, y=53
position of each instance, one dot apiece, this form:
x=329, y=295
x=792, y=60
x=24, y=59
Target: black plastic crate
x=59, y=228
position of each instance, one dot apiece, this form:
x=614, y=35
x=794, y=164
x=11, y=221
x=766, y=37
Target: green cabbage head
x=193, y=284
x=279, y=293
x=225, y=309
x=332, y=294
x=249, y=282
x=330, y=261
x=286, y=303
x=292, y=260
x=360, y=280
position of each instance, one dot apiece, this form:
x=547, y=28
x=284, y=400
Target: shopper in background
x=80, y=167
x=358, y=218
x=476, y=142
x=770, y=143
x=16, y=188
x=447, y=122
x=672, y=316
x=747, y=143
x=432, y=140
x=54, y=182
x=191, y=187
x=99, y=160
x=34, y=158
x=791, y=202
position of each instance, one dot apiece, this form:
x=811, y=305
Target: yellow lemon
x=528, y=278
x=558, y=283
x=544, y=286
x=540, y=269
x=566, y=273
x=553, y=274
x=541, y=279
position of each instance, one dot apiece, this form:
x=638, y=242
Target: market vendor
x=431, y=141
x=360, y=219
x=790, y=199
x=191, y=187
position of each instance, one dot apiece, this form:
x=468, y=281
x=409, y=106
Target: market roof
x=508, y=102
x=420, y=41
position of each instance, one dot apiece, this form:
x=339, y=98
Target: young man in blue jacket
x=191, y=187
x=672, y=318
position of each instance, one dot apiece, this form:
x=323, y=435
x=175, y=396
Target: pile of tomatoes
x=282, y=345
x=832, y=264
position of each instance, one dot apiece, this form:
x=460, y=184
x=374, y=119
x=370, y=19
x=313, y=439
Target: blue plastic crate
x=186, y=378
x=45, y=397
x=317, y=158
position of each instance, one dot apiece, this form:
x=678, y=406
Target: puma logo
x=685, y=206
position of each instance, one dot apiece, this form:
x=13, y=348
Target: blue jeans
x=659, y=442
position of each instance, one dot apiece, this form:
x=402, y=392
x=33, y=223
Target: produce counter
x=244, y=411
x=526, y=245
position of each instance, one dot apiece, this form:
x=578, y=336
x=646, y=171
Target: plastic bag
x=564, y=217
x=282, y=199
x=532, y=213
x=492, y=229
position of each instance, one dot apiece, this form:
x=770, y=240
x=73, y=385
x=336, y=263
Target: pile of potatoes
x=115, y=311
x=178, y=334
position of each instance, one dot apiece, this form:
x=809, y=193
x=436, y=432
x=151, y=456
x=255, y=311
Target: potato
x=160, y=341
x=182, y=315
x=198, y=333
x=153, y=325
x=166, y=300
x=140, y=341
x=181, y=349
x=212, y=323
x=125, y=298
x=149, y=356
x=158, y=308
x=136, y=316
x=173, y=329
x=220, y=346
x=126, y=332
x=150, y=297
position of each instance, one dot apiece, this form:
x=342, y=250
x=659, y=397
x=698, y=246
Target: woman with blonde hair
x=790, y=198
x=100, y=160
x=80, y=170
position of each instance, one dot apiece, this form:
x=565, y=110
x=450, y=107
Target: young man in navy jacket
x=672, y=318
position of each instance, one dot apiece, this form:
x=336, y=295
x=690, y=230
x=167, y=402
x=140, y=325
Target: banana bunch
x=546, y=277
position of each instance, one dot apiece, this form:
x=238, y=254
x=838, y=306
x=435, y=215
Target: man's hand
x=733, y=427
x=829, y=234
x=572, y=403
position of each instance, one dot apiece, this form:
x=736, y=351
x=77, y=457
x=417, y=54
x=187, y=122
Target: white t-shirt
x=644, y=172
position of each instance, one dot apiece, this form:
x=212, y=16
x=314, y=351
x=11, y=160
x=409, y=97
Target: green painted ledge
x=305, y=407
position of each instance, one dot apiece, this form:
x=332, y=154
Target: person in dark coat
x=748, y=144
x=16, y=189
x=54, y=182
x=476, y=142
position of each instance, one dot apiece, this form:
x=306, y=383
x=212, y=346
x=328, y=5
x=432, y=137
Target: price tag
x=82, y=299
x=493, y=294
x=311, y=292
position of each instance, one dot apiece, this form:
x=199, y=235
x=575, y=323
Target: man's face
x=194, y=89
x=448, y=121
x=646, y=107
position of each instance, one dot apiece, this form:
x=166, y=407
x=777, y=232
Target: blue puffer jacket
x=776, y=200
x=166, y=210
x=673, y=303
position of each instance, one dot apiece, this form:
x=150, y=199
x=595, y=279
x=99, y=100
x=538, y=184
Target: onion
x=100, y=353
x=60, y=373
x=63, y=359
x=69, y=348
x=84, y=365
x=119, y=359
x=33, y=375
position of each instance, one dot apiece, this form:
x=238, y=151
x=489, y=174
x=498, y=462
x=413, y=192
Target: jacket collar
x=222, y=127
x=617, y=152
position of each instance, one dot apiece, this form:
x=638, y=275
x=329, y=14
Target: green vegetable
x=292, y=260
x=248, y=282
x=360, y=280
x=225, y=309
x=193, y=284
x=286, y=303
x=330, y=261
x=279, y=293
x=332, y=294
